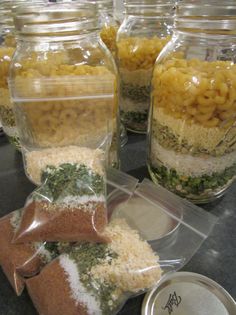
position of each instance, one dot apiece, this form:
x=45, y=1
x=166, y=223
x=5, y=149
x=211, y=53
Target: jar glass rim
x=150, y=7
x=215, y=15
x=55, y=18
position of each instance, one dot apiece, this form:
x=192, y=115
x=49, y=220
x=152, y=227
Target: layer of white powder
x=16, y=219
x=42, y=251
x=78, y=291
x=188, y=165
x=74, y=201
x=127, y=105
x=37, y=161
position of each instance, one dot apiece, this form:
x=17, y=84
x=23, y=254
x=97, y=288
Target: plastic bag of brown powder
x=70, y=203
x=96, y=279
x=22, y=260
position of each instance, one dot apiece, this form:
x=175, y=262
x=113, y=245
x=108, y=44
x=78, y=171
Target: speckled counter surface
x=215, y=259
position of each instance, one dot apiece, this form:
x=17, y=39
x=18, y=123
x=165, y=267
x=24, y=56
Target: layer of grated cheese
x=78, y=291
x=37, y=161
x=195, y=134
x=136, y=267
x=188, y=165
x=128, y=105
x=138, y=77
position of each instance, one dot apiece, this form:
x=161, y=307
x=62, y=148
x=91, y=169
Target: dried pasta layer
x=64, y=104
x=96, y=279
x=6, y=54
x=135, y=53
x=198, y=92
x=108, y=36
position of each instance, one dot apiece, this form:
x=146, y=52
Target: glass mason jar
x=7, y=48
x=146, y=29
x=63, y=80
x=109, y=26
x=192, y=147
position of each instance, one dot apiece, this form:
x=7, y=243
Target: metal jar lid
x=186, y=293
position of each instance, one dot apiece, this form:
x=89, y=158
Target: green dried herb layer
x=135, y=120
x=169, y=140
x=136, y=93
x=193, y=187
x=15, y=141
x=86, y=256
x=7, y=116
x=70, y=180
x=54, y=249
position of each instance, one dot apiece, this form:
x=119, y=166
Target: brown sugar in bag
x=96, y=279
x=70, y=203
x=21, y=260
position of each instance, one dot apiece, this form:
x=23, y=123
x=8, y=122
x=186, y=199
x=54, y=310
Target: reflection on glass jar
x=192, y=134
x=7, y=48
x=63, y=83
x=108, y=24
x=147, y=28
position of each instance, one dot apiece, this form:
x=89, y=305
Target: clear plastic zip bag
x=66, y=112
x=20, y=261
x=70, y=204
x=23, y=260
x=174, y=227
x=151, y=233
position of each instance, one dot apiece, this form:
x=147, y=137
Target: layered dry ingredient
x=193, y=134
x=136, y=58
x=69, y=205
x=96, y=279
x=62, y=104
x=7, y=49
x=108, y=36
x=22, y=260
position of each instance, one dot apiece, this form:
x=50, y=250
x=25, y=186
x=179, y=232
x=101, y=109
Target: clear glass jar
x=146, y=29
x=63, y=81
x=109, y=25
x=192, y=147
x=7, y=48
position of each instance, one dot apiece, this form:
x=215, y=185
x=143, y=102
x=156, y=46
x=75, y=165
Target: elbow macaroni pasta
x=64, y=104
x=108, y=36
x=200, y=92
x=139, y=52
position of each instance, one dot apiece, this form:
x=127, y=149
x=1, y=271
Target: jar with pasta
x=146, y=29
x=7, y=48
x=63, y=81
x=192, y=134
x=109, y=25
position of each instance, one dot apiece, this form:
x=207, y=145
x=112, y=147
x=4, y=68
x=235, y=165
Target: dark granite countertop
x=216, y=258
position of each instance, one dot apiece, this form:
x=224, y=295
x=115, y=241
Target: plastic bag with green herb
x=26, y=259
x=70, y=203
x=152, y=232
x=96, y=279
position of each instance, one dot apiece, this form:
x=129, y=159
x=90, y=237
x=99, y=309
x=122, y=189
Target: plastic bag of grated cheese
x=96, y=279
